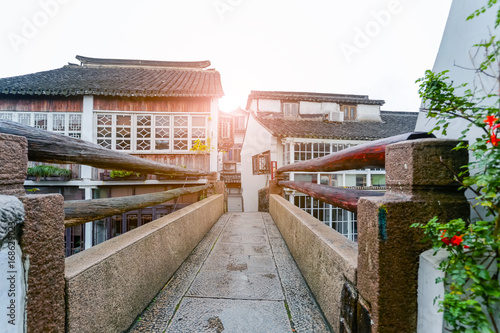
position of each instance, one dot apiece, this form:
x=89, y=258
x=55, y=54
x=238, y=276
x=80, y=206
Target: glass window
x=349, y=112
x=148, y=132
x=291, y=109
x=58, y=122
x=261, y=163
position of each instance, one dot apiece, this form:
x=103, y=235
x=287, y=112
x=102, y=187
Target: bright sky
x=372, y=47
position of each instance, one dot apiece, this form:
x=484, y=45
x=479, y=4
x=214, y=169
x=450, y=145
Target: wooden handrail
x=345, y=198
x=81, y=211
x=366, y=155
x=45, y=146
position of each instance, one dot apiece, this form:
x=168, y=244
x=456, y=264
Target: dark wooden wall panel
x=41, y=103
x=152, y=104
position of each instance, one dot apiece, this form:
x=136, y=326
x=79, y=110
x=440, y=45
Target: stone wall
x=41, y=240
x=109, y=285
x=326, y=259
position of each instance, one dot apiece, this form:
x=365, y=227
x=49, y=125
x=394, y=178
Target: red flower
x=490, y=120
x=453, y=241
x=456, y=240
x=493, y=139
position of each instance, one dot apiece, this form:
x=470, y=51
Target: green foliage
x=48, y=171
x=123, y=174
x=472, y=297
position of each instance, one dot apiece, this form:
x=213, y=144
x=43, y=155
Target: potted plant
x=48, y=172
x=122, y=175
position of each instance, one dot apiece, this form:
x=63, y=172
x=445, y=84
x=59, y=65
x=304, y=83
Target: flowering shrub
x=472, y=299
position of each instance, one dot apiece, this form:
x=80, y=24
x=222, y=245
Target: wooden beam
x=345, y=198
x=45, y=146
x=367, y=155
x=82, y=211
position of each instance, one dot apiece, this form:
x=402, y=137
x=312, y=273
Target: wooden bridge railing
x=367, y=155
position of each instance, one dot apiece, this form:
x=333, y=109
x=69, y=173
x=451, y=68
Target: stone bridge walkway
x=240, y=278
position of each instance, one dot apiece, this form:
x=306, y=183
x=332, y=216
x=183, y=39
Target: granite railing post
x=420, y=185
x=41, y=241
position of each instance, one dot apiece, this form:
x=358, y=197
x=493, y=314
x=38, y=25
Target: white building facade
x=288, y=127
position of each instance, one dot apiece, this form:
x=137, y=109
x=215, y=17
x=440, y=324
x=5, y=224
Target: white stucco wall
x=368, y=112
x=213, y=132
x=257, y=140
x=310, y=108
x=269, y=105
x=327, y=107
x=455, y=50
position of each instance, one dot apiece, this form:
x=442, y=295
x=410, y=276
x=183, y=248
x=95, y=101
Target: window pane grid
x=63, y=123
x=147, y=132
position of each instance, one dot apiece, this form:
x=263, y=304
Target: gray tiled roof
x=393, y=123
x=149, y=79
x=291, y=96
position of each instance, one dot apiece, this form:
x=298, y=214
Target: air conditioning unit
x=335, y=116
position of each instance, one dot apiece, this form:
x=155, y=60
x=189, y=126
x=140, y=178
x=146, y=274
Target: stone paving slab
x=241, y=278
x=232, y=249
x=249, y=263
x=213, y=315
x=236, y=285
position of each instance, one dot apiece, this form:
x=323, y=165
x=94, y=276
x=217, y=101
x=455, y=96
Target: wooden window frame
x=350, y=112
x=49, y=119
x=171, y=129
x=261, y=163
x=293, y=115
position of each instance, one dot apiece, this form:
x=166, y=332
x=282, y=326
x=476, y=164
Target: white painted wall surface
x=368, y=112
x=327, y=107
x=269, y=105
x=257, y=140
x=455, y=50
x=429, y=319
x=213, y=132
x=310, y=108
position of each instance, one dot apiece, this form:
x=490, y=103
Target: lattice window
x=59, y=123
x=162, y=132
x=63, y=123
x=180, y=132
x=148, y=133
x=198, y=129
x=105, y=130
x=41, y=120
x=25, y=119
x=6, y=116
x=261, y=163
x=123, y=132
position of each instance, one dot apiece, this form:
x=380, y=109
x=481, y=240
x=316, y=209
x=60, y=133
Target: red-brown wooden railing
x=366, y=155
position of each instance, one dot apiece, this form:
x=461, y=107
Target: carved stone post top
x=424, y=162
x=13, y=164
